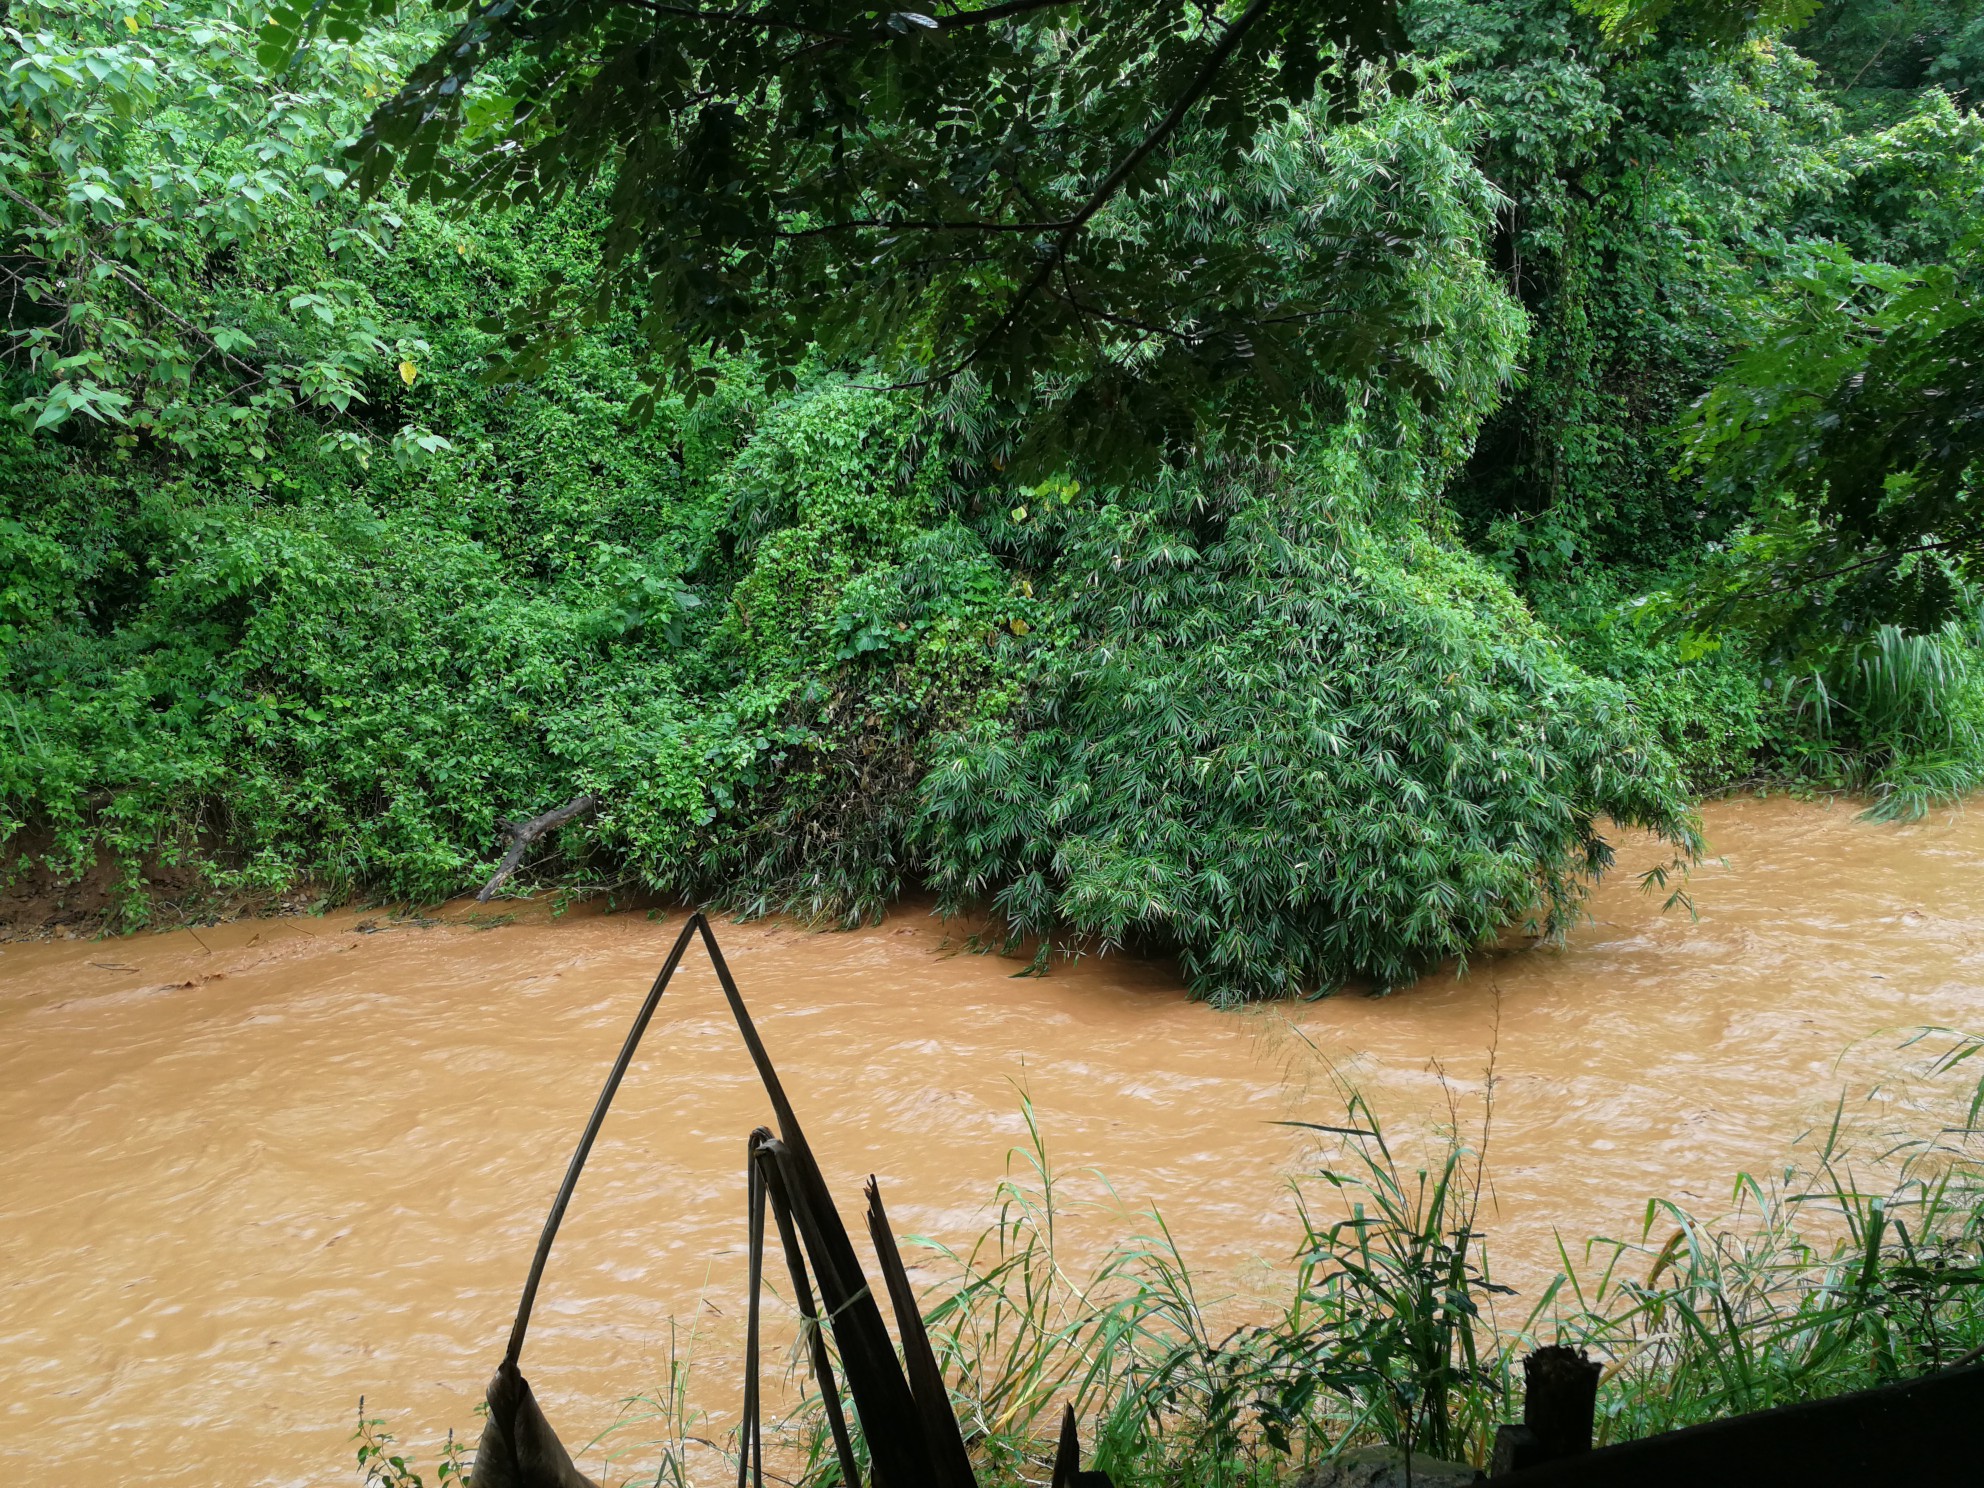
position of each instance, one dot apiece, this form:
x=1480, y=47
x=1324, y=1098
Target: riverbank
x=189, y=889
x=275, y=1164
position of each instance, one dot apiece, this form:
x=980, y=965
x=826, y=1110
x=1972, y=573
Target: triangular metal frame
x=906, y=1419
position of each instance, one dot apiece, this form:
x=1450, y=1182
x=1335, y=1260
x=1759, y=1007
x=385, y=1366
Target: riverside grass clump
x=1899, y=716
x=1859, y=1262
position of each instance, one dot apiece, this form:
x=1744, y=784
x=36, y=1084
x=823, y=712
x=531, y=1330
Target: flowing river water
x=250, y=1172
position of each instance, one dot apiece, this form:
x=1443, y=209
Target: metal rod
x=578, y=1162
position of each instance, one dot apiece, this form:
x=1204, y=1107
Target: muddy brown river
x=248, y=1174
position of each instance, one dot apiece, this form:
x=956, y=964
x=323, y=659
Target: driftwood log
x=523, y=834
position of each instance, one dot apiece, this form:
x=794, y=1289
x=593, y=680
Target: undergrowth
x=808, y=650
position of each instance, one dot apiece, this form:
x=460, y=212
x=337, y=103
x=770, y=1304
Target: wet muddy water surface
x=249, y=1173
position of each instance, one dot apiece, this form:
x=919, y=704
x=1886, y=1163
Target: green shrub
x=1292, y=746
x=356, y=686
x=1712, y=709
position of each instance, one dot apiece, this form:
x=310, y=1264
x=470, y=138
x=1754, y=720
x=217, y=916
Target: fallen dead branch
x=523, y=834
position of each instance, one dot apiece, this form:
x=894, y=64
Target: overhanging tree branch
x=953, y=21
x=131, y=282
x=1112, y=183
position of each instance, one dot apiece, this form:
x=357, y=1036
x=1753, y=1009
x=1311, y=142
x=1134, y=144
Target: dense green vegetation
x=1624, y=448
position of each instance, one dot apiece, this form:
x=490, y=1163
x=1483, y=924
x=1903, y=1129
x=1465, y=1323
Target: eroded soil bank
x=253, y=1171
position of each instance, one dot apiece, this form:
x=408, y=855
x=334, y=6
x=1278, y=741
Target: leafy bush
x=359, y=690
x=175, y=226
x=1711, y=707
x=1291, y=745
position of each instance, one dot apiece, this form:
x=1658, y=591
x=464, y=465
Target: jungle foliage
x=984, y=193
x=1605, y=345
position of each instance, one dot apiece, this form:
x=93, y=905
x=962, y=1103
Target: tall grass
x=1859, y=1263
x=1901, y=715
x=1022, y=1333
x=1852, y=1268
x=1392, y=1309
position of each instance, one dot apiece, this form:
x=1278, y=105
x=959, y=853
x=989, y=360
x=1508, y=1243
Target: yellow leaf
x=1020, y=627
x=408, y=372
x=1019, y=514
x=131, y=24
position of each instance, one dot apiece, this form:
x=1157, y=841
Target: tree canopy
x=988, y=198
x=1859, y=423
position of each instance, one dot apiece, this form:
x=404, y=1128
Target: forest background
x=307, y=584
